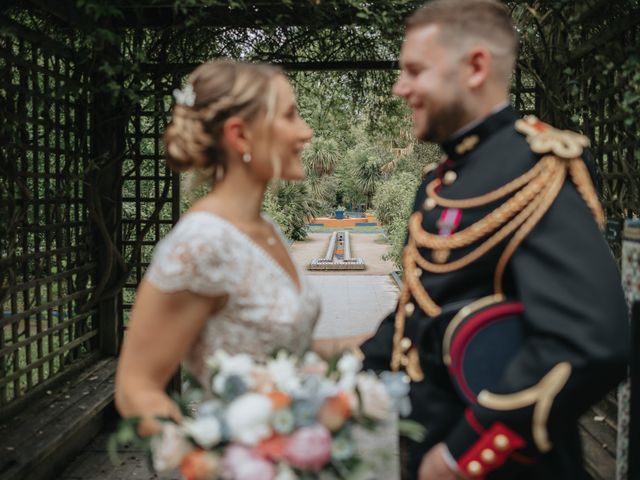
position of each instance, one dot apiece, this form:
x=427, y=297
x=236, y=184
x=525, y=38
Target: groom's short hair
x=465, y=23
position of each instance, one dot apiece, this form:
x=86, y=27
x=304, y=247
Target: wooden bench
x=40, y=440
x=598, y=430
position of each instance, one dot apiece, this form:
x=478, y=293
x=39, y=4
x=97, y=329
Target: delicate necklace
x=271, y=239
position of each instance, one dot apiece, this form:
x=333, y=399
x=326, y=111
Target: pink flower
x=309, y=448
x=240, y=463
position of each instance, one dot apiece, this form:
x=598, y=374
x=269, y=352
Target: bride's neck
x=241, y=197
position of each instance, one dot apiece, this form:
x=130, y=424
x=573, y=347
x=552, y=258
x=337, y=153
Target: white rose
x=249, y=418
x=347, y=382
x=205, y=431
x=283, y=372
x=169, y=448
x=375, y=399
x=239, y=364
x=349, y=364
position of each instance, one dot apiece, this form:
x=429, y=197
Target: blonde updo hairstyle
x=223, y=88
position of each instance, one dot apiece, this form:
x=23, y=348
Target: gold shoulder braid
x=533, y=193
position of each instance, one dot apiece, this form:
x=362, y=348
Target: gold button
x=501, y=442
x=488, y=456
x=405, y=343
x=409, y=308
x=450, y=177
x=429, y=204
x=474, y=468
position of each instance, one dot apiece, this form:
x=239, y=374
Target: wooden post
x=108, y=124
x=627, y=466
x=634, y=403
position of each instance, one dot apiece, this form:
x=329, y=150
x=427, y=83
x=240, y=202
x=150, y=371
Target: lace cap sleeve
x=191, y=257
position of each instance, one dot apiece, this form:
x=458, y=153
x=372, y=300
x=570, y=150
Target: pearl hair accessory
x=185, y=97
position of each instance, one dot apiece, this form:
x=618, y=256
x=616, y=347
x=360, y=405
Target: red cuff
x=490, y=451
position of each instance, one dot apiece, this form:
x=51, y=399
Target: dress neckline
x=297, y=282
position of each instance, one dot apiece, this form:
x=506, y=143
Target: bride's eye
x=291, y=113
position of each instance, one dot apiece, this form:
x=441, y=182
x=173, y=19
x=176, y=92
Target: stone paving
x=353, y=302
x=353, y=305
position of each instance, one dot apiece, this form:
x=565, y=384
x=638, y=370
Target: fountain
x=338, y=255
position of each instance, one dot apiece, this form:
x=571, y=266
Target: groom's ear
x=237, y=135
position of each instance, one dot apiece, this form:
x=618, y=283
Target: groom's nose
x=401, y=87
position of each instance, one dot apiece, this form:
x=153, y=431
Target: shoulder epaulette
x=545, y=139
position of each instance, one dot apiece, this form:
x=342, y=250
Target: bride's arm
x=162, y=328
x=328, y=347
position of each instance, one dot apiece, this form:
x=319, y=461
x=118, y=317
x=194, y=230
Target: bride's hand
x=434, y=467
x=159, y=405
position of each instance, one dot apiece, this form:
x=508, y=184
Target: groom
x=456, y=63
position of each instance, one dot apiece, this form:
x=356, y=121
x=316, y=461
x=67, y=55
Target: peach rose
x=200, y=465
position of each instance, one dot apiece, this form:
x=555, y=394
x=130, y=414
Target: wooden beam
x=256, y=14
x=35, y=38
x=337, y=65
x=630, y=21
x=66, y=11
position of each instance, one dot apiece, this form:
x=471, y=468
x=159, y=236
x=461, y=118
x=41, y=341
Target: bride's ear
x=237, y=135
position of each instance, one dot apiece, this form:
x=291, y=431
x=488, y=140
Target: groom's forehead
x=421, y=44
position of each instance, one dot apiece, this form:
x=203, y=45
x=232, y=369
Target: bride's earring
x=219, y=173
x=246, y=157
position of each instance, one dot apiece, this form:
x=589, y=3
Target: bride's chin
x=295, y=175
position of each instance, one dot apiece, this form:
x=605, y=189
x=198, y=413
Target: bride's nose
x=306, y=132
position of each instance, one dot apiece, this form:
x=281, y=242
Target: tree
x=366, y=169
x=321, y=156
x=291, y=206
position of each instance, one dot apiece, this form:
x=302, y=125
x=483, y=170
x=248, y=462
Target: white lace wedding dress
x=208, y=255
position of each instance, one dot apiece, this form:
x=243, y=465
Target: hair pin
x=186, y=96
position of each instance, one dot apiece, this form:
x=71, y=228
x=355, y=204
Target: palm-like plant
x=290, y=205
x=366, y=168
x=321, y=156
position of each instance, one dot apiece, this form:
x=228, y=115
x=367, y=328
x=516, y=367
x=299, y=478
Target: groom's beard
x=443, y=123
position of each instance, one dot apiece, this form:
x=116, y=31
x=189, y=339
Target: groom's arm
x=377, y=349
x=575, y=350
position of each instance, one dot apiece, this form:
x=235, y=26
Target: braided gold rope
x=543, y=206
x=486, y=198
x=521, y=214
x=582, y=180
x=418, y=291
x=482, y=248
x=484, y=226
x=399, y=324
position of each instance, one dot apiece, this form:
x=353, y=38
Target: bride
x=222, y=278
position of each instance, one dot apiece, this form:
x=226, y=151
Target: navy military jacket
x=574, y=314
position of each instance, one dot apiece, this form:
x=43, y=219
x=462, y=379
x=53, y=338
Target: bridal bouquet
x=282, y=419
